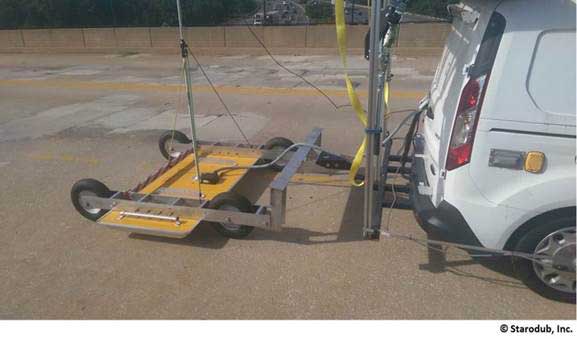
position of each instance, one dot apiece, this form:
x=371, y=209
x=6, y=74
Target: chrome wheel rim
x=558, y=270
x=170, y=149
x=86, y=205
x=230, y=226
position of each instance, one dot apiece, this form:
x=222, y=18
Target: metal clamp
x=378, y=130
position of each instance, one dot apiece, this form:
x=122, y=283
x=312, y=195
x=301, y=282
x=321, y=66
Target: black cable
x=292, y=72
x=409, y=138
x=219, y=96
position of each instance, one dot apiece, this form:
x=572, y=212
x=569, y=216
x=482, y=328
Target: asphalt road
x=63, y=118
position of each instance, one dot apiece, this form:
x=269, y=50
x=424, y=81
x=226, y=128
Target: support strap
x=352, y=93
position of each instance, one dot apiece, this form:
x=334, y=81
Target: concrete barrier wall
x=241, y=36
x=11, y=39
x=163, y=37
x=137, y=38
x=421, y=35
x=37, y=38
x=99, y=37
x=285, y=37
x=321, y=39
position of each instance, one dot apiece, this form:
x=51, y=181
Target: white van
x=495, y=158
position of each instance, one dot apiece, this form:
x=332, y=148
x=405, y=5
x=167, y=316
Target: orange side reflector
x=534, y=162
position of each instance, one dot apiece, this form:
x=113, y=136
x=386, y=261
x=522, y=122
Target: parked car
x=495, y=159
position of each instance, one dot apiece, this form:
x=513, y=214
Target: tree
x=319, y=11
x=85, y=13
x=435, y=8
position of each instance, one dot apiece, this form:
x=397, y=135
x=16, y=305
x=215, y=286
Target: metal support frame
x=279, y=186
x=376, y=157
x=376, y=125
x=171, y=208
x=157, y=206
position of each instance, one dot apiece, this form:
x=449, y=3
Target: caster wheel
x=168, y=141
x=278, y=144
x=234, y=202
x=89, y=187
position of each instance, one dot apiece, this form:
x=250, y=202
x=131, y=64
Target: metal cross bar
x=162, y=208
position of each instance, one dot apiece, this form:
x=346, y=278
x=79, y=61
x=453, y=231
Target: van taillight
x=463, y=133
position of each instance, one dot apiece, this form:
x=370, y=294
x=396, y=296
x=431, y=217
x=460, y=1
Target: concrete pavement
x=63, y=118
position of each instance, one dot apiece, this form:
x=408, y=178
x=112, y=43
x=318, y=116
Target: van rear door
x=470, y=20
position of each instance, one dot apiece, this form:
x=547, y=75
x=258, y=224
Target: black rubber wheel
x=165, y=145
x=542, y=231
x=230, y=201
x=278, y=144
x=89, y=187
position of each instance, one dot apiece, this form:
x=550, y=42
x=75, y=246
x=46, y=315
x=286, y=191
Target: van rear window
x=489, y=45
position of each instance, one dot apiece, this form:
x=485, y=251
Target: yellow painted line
x=320, y=180
x=305, y=179
x=152, y=87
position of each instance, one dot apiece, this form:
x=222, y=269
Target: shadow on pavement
x=350, y=228
x=204, y=236
x=437, y=263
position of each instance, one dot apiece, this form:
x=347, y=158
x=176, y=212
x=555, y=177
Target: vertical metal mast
x=374, y=128
x=186, y=67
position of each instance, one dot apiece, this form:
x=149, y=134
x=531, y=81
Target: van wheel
x=552, y=278
x=168, y=141
x=230, y=201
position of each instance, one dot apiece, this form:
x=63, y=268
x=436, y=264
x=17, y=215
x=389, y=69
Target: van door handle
x=430, y=113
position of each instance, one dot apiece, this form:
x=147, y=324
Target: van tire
x=539, y=229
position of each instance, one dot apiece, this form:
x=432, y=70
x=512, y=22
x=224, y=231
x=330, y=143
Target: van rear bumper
x=443, y=222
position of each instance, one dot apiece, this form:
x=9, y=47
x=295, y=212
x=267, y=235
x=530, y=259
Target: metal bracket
x=423, y=189
x=333, y=161
x=279, y=186
x=374, y=130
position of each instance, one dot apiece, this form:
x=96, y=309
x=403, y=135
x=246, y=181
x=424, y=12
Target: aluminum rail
x=373, y=130
x=190, y=100
x=160, y=208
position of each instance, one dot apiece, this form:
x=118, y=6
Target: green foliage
x=94, y=13
x=319, y=11
x=435, y=8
